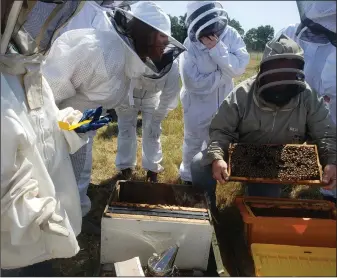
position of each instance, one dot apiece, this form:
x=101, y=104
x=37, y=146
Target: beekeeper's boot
x=126, y=174
x=151, y=176
x=187, y=183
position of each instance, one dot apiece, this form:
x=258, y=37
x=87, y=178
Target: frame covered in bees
x=281, y=164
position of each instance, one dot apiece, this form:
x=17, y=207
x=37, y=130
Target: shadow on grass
x=112, y=131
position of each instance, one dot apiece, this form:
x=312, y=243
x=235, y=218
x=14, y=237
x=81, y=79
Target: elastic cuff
x=219, y=50
x=209, y=158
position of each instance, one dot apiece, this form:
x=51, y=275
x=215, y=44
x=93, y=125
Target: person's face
x=160, y=41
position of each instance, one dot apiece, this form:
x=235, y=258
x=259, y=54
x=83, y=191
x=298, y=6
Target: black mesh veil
x=37, y=24
x=125, y=23
x=210, y=19
x=319, y=17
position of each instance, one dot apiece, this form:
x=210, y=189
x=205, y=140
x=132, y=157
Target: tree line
x=255, y=38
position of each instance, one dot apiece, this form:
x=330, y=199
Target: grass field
x=104, y=175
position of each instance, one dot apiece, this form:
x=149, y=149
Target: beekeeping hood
x=149, y=13
x=205, y=18
x=125, y=5
x=278, y=49
x=320, y=18
x=30, y=25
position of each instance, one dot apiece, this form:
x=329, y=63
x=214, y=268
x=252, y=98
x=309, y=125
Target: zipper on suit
x=144, y=94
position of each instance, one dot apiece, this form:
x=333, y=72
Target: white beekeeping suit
x=40, y=206
x=154, y=96
x=91, y=67
x=319, y=51
x=155, y=99
x=89, y=14
x=207, y=74
x=316, y=34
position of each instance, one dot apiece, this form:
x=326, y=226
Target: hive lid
x=129, y=268
x=285, y=260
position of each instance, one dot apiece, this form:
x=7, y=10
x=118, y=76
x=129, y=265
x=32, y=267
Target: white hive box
x=143, y=218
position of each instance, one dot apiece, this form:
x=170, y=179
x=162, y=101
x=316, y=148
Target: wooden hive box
x=145, y=218
x=288, y=222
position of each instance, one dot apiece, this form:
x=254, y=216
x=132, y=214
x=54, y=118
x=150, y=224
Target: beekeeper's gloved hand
x=155, y=130
x=96, y=120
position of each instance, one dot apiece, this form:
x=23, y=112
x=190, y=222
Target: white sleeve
x=74, y=141
x=328, y=82
x=23, y=212
x=193, y=80
x=232, y=59
x=70, y=63
x=169, y=97
x=289, y=31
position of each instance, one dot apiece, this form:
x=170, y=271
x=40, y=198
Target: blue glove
x=96, y=120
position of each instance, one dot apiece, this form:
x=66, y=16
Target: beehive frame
x=278, y=181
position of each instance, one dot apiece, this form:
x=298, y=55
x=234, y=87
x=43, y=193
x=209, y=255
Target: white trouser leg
x=152, y=154
x=196, y=126
x=127, y=138
x=82, y=165
x=191, y=146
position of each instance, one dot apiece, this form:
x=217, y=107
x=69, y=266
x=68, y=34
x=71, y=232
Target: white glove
x=155, y=130
x=50, y=224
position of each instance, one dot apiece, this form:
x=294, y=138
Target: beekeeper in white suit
x=215, y=54
x=91, y=67
x=155, y=96
x=316, y=34
x=40, y=205
x=83, y=14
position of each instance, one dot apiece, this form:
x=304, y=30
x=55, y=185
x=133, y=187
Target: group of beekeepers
x=71, y=61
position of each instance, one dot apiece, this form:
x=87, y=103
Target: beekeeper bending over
x=275, y=107
x=155, y=95
x=91, y=67
x=86, y=14
x=316, y=34
x=40, y=204
x=215, y=55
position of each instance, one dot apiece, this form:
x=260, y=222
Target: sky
x=251, y=14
